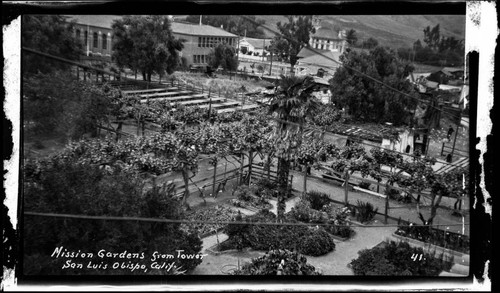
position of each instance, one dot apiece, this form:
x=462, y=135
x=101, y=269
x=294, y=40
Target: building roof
x=199, y=30
x=104, y=21
x=308, y=51
x=258, y=43
x=326, y=59
x=326, y=33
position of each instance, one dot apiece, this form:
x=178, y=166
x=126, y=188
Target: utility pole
x=456, y=134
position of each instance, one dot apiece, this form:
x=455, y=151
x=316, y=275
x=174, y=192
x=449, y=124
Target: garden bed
x=215, y=213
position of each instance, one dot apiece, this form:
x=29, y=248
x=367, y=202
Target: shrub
x=396, y=195
x=266, y=184
x=292, y=264
x=304, y=213
x=395, y=259
x=316, y=243
x=365, y=211
x=244, y=193
x=364, y=184
x=318, y=199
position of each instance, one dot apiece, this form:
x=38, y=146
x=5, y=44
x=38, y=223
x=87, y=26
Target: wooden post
x=386, y=212
x=346, y=188
x=215, y=178
x=84, y=75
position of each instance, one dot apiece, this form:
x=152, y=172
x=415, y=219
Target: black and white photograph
x=223, y=146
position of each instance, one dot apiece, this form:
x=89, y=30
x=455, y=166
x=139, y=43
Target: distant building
x=200, y=40
x=326, y=38
x=96, y=35
x=258, y=47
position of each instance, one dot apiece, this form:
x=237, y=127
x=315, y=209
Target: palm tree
x=293, y=102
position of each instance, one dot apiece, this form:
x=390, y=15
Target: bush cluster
x=365, y=211
x=291, y=263
x=268, y=237
x=318, y=199
x=397, y=259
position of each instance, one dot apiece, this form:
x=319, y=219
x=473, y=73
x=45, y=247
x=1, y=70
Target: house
x=258, y=47
x=327, y=38
x=316, y=60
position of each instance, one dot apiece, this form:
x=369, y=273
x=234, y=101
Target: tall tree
x=51, y=34
x=146, y=44
x=294, y=36
x=370, y=43
x=223, y=55
x=366, y=99
x=293, y=102
x=432, y=37
x=351, y=37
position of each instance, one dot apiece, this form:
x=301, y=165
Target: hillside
x=391, y=30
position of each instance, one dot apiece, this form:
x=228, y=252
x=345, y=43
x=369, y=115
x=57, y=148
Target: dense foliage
x=51, y=34
x=83, y=189
x=398, y=259
x=438, y=50
x=215, y=213
x=447, y=239
x=365, y=211
x=146, y=44
x=223, y=55
x=291, y=263
x=266, y=237
x=57, y=104
x=367, y=100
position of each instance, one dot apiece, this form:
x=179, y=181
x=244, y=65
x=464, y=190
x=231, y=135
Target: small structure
x=258, y=47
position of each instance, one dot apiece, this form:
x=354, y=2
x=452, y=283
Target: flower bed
x=216, y=213
x=442, y=238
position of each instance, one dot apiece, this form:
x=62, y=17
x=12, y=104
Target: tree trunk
x=283, y=171
x=144, y=76
x=185, y=177
x=214, y=191
x=242, y=158
x=269, y=166
x=250, y=162
x=118, y=130
x=346, y=189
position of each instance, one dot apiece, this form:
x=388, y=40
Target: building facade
x=199, y=40
x=95, y=33
x=326, y=38
x=97, y=37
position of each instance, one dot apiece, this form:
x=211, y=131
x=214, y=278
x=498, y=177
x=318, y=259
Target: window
x=104, y=41
x=86, y=34
x=203, y=42
x=199, y=41
x=95, y=40
x=78, y=34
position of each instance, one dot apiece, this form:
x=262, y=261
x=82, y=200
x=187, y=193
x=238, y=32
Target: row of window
x=209, y=42
x=95, y=39
x=200, y=59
